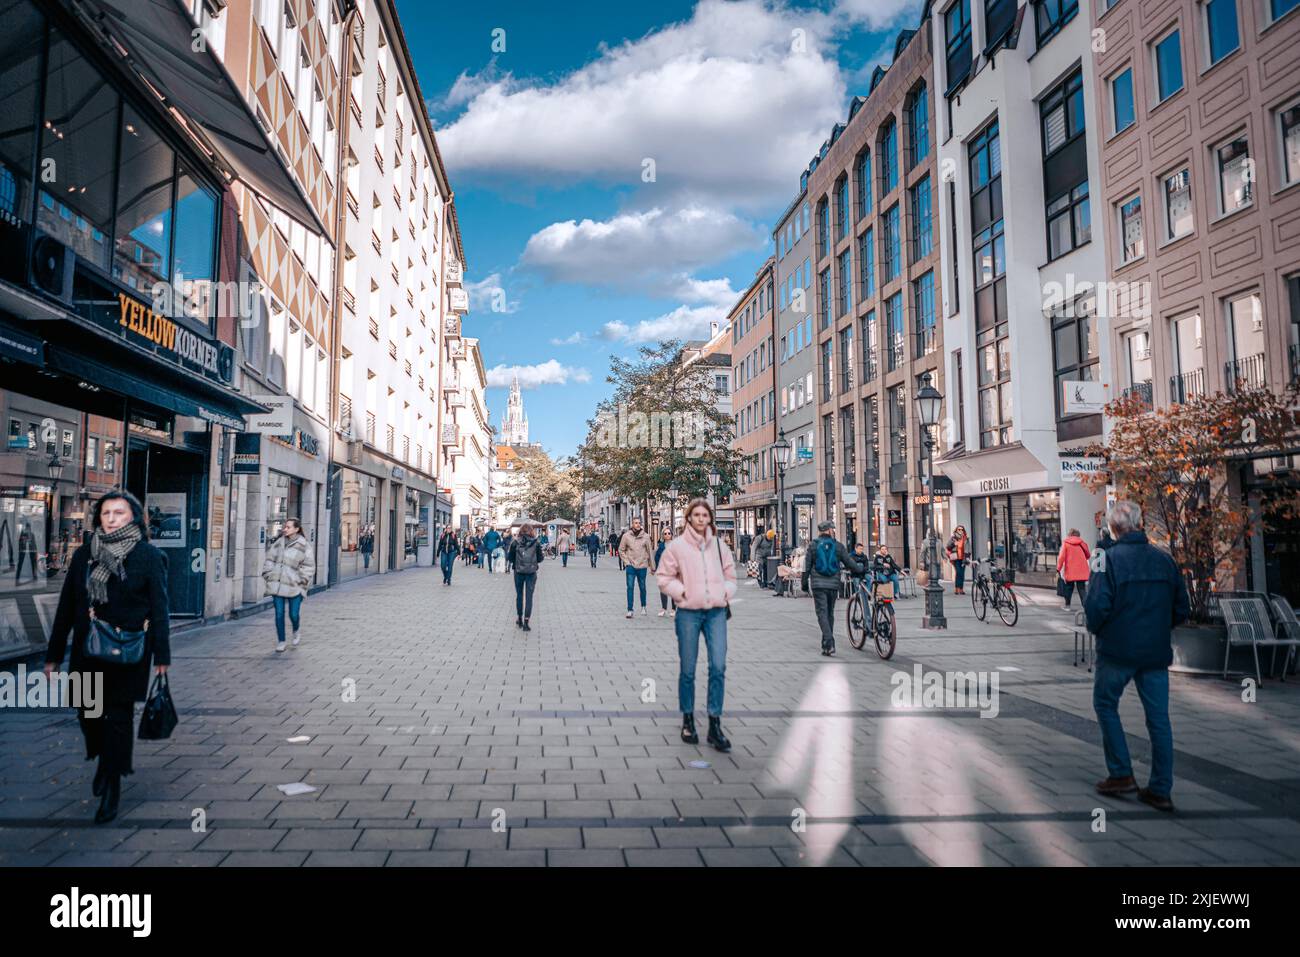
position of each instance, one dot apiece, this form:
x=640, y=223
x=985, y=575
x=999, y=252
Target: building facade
x=1199, y=134
x=1024, y=329
x=753, y=403
x=467, y=435
x=877, y=286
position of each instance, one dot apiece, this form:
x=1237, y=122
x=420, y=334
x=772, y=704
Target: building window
x=927, y=335
x=888, y=157
x=1121, y=100
x=870, y=347
x=846, y=281
x=828, y=446
x=1074, y=346
x=848, y=456
x=1069, y=222
x=1221, y=33
x=1052, y=15
x=894, y=330
x=889, y=246
x=1137, y=355
x=862, y=175
x=1132, y=243
x=922, y=227
x=1168, y=60
x=999, y=20
x=866, y=263
x=842, y=207
x=1188, y=380
x=824, y=288
x=1277, y=9
x=1236, y=175
x=1288, y=120
x=1178, y=204
x=871, y=434
x=1062, y=114
x=828, y=370
x=919, y=122
x=957, y=43
x=846, y=358
x=1065, y=167
x=896, y=403
x=1245, y=317
x=959, y=387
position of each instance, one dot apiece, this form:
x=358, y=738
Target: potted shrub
x=1176, y=463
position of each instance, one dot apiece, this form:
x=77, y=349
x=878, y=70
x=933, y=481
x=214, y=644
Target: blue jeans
x=564, y=558
x=1110, y=680
x=959, y=568
x=688, y=624
x=490, y=556
x=294, y=604
x=636, y=575
x=448, y=563
x=594, y=556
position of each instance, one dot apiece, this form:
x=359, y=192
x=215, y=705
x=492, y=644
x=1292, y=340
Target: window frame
x=1291, y=105
x=1154, y=48
x=1216, y=148
x=1203, y=15
x=1167, y=236
x=1115, y=128
x=1125, y=260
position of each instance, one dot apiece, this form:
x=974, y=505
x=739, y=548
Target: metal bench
x=1287, y=627
x=1247, y=623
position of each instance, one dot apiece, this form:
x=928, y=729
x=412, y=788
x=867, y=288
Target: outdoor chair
x=1247, y=623
x=906, y=584
x=1288, y=627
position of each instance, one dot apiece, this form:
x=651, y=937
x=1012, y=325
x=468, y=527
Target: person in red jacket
x=1072, y=564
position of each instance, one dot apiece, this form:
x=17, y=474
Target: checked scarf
x=107, y=550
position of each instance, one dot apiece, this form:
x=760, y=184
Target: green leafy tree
x=550, y=488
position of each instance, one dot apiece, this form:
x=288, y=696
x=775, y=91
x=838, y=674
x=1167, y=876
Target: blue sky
x=618, y=167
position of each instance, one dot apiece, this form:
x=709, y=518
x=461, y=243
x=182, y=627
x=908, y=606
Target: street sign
x=277, y=420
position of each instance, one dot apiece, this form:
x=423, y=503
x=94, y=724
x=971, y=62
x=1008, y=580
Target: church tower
x=514, y=428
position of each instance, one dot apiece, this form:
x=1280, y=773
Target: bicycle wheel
x=979, y=600
x=854, y=619
x=1008, y=607
x=884, y=630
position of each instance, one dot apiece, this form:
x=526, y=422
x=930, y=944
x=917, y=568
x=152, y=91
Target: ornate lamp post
x=672, y=508
x=781, y=451
x=715, y=479
x=55, y=470
x=928, y=402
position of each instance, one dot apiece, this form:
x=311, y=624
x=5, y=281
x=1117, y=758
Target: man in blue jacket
x=491, y=542
x=1136, y=596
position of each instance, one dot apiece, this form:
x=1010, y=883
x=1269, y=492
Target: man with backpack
x=825, y=558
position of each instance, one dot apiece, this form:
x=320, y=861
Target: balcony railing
x=353, y=207
x=408, y=367
x=379, y=159
x=374, y=329
x=1143, y=392
x=1247, y=373
x=392, y=349
x=1185, y=387
x=389, y=436
x=345, y=412
x=370, y=427
x=349, y=299
x=375, y=242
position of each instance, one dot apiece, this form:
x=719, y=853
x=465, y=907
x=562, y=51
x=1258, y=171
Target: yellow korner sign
x=161, y=331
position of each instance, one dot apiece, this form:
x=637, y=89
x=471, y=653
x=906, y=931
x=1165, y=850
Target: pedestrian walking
x=26, y=551
x=562, y=543
x=823, y=562
x=526, y=557
x=507, y=540
x=1104, y=540
x=289, y=570
x=593, y=547
x=367, y=545
x=116, y=578
x=479, y=549
x=636, y=552
x=1072, y=566
x=698, y=573
x=761, y=553
x=614, y=539
x=447, y=550
x=491, y=542
x=958, y=551
x=746, y=540
x=665, y=537
x=1136, y=597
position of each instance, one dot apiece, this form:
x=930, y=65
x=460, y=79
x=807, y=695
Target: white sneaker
x=643, y=611
x=279, y=647
x=295, y=639
x=664, y=612
x=629, y=614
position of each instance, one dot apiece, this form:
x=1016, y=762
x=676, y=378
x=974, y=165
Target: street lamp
x=928, y=402
x=672, y=507
x=55, y=469
x=781, y=451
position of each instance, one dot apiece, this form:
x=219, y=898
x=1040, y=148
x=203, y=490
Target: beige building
x=753, y=403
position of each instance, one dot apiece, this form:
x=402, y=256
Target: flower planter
x=1198, y=650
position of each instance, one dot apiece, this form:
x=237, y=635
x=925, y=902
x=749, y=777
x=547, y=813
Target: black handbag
x=1062, y=586
x=105, y=642
x=159, y=717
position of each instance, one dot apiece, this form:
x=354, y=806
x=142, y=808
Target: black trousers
x=1081, y=587
x=824, y=601
x=525, y=582
x=110, y=736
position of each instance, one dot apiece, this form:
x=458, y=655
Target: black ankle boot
x=112, y=795
x=716, y=737
x=97, y=785
x=519, y=622
x=526, y=628
x=689, y=736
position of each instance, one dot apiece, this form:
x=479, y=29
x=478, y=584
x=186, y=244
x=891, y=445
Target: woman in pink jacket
x=1072, y=563
x=699, y=574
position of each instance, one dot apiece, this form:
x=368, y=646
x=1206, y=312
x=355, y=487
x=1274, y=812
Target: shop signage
x=1077, y=468
x=300, y=440
x=247, y=459
x=33, y=490
x=221, y=418
x=277, y=420
x=217, y=538
x=895, y=517
x=849, y=494
x=13, y=491
x=942, y=490
x=1000, y=484
x=804, y=453
x=399, y=473
x=141, y=325
x=22, y=347
x=154, y=426
x=1080, y=397
x=804, y=498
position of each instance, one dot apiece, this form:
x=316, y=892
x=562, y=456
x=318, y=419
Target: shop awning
x=158, y=36
x=203, y=400
x=1012, y=462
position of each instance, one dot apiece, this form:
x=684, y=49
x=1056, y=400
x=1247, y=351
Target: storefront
x=803, y=505
x=358, y=520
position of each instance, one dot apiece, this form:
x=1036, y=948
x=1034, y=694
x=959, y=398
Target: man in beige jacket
x=637, y=552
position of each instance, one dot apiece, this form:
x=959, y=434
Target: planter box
x=1198, y=650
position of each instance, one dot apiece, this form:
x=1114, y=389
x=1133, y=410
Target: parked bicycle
x=870, y=611
x=990, y=587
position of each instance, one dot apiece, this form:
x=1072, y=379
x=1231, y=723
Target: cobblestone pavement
x=461, y=721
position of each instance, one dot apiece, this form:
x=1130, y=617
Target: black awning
x=159, y=36
x=205, y=401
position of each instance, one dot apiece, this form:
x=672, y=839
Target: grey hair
x=1124, y=517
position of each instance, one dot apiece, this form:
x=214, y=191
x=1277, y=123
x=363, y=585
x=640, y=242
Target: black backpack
x=527, y=555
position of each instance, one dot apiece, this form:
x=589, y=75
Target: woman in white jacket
x=697, y=572
x=288, y=571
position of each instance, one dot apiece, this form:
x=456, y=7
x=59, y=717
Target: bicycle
x=993, y=589
x=872, y=611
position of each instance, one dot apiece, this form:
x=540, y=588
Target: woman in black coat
x=125, y=579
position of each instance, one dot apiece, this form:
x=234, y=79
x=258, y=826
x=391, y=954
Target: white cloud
x=880, y=14
x=550, y=372
x=488, y=295
x=576, y=339
x=722, y=102
x=644, y=251
x=684, y=322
